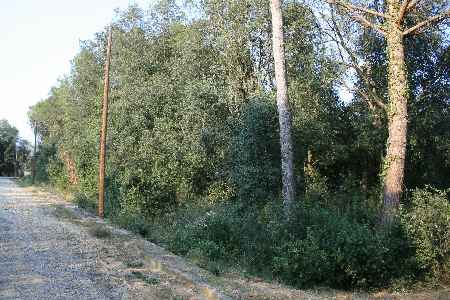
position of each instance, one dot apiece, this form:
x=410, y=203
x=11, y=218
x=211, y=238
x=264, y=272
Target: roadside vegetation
x=193, y=148
x=14, y=151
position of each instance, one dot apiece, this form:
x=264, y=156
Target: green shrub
x=84, y=201
x=427, y=223
x=331, y=248
x=56, y=173
x=134, y=222
x=100, y=231
x=316, y=246
x=47, y=164
x=254, y=152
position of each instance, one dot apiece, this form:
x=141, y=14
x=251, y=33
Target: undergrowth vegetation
x=315, y=245
x=193, y=151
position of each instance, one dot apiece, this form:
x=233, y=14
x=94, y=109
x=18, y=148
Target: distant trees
x=8, y=137
x=14, y=152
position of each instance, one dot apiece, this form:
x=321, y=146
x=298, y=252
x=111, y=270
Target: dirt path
x=41, y=258
x=49, y=249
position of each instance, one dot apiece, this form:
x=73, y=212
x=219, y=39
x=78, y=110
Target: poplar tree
x=284, y=113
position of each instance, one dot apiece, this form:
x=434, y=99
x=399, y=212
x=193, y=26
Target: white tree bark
x=284, y=114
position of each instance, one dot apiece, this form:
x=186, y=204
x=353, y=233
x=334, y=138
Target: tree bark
x=70, y=166
x=284, y=114
x=397, y=116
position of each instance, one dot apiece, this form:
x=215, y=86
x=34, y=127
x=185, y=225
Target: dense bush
x=316, y=245
x=84, y=201
x=46, y=164
x=427, y=222
x=255, y=170
x=8, y=140
x=333, y=249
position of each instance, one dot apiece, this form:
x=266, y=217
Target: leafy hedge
x=427, y=223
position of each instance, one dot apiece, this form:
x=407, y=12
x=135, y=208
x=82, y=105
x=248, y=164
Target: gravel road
x=49, y=249
x=40, y=258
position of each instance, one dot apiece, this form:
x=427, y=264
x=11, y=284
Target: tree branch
x=403, y=10
x=353, y=8
x=368, y=99
x=350, y=9
x=412, y=4
x=425, y=23
x=371, y=98
x=367, y=23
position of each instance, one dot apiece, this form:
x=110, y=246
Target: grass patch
x=84, y=202
x=147, y=278
x=134, y=264
x=100, y=231
x=25, y=181
x=62, y=212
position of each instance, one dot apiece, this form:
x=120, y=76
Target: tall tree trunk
x=397, y=114
x=70, y=166
x=284, y=114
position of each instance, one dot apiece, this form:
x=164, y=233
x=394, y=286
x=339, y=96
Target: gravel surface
x=40, y=257
x=49, y=249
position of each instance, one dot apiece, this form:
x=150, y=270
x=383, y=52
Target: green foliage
x=427, y=223
x=133, y=222
x=316, y=245
x=8, y=138
x=99, y=231
x=193, y=158
x=48, y=166
x=255, y=171
x=192, y=111
x=83, y=201
x=429, y=128
x=339, y=251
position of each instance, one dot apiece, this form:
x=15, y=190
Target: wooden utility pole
x=103, y=131
x=33, y=161
x=15, y=157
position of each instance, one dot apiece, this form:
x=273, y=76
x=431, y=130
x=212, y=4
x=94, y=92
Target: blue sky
x=38, y=40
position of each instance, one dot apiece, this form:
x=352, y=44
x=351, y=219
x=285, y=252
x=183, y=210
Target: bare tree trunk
x=309, y=165
x=284, y=114
x=397, y=115
x=70, y=166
